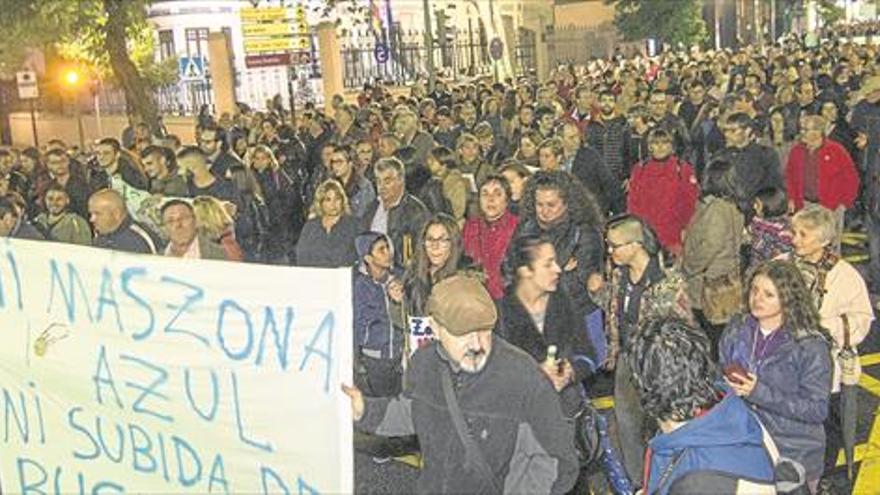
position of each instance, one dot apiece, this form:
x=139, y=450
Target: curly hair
x=672, y=366
x=799, y=314
x=582, y=206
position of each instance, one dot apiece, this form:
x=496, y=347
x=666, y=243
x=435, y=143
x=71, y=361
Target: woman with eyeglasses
x=438, y=255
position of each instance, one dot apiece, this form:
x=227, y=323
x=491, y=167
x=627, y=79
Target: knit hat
x=363, y=244
x=462, y=305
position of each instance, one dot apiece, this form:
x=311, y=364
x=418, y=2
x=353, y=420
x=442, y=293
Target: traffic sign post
x=191, y=68
x=380, y=53
x=496, y=50
x=26, y=81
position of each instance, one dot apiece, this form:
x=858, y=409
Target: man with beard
x=487, y=418
x=756, y=165
x=609, y=134
x=160, y=164
x=660, y=115
x=60, y=224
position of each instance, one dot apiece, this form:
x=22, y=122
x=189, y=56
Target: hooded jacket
x=727, y=440
x=374, y=334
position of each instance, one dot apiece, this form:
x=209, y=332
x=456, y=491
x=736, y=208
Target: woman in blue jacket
x=778, y=359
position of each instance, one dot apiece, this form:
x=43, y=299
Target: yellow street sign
x=269, y=45
x=274, y=29
x=263, y=14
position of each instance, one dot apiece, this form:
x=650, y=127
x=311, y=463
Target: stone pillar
x=331, y=63
x=222, y=72
x=510, y=43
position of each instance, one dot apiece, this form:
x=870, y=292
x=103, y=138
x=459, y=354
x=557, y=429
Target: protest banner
x=125, y=373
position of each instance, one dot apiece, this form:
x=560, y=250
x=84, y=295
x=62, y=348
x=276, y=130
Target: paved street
x=399, y=476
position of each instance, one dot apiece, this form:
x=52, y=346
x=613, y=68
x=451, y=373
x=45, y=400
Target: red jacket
x=664, y=195
x=486, y=243
x=838, y=179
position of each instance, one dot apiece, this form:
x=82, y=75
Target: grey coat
x=510, y=408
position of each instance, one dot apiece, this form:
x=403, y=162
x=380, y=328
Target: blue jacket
x=791, y=396
x=726, y=441
x=375, y=336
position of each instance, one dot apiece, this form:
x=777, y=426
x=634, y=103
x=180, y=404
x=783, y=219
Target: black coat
x=405, y=222
x=590, y=168
x=283, y=195
x=579, y=244
x=562, y=328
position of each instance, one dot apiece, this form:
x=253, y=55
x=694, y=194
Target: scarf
x=815, y=274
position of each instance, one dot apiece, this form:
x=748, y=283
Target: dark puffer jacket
x=579, y=252
x=793, y=388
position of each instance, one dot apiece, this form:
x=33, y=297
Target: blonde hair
x=262, y=148
x=212, y=218
x=327, y=186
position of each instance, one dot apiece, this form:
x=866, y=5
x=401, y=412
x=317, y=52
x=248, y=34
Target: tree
x=670, y=21
x=829, y=12
x=99, y=33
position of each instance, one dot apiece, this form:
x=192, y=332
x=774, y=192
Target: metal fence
x=401, y=58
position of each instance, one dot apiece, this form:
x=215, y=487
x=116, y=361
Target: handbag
x=722, y=296
x=524, y=476
x=473, y=454
x=586, y=436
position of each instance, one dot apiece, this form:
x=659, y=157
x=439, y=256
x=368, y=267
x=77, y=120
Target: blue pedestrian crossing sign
x=191, y=68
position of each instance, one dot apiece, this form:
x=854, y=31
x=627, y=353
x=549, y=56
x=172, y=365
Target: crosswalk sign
x=191, y=68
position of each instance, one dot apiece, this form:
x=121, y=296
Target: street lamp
x=72, y=81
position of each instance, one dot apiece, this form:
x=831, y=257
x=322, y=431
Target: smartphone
x=734, y=371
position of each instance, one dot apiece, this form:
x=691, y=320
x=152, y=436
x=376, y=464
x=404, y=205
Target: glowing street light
x=71, y=77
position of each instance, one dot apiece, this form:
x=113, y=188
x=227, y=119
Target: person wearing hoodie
x=378, y=343
x=707, y=443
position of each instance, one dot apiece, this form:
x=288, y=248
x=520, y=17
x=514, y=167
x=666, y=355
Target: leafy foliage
x=112, y=38
x=829, y=12
x=671, y=21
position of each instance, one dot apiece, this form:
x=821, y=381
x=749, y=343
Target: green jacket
x=68, y=227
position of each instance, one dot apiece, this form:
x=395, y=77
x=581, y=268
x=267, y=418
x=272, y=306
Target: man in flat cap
x=487, y=418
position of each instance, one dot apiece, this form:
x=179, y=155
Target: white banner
x=140, y=374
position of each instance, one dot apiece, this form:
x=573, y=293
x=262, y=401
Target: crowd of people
x=693, y=200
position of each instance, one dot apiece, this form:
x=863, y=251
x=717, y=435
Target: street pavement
x=399, y=475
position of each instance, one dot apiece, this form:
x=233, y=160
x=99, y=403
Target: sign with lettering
x=125, y=373
x=420, y=333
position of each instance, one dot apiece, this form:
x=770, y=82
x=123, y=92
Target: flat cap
x=462, y=305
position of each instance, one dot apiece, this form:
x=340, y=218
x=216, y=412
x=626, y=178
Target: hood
x=363, y=243
x=729, y=423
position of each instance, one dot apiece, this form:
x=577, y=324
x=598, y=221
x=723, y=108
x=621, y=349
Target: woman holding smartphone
x=778, y=359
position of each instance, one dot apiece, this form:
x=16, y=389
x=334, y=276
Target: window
x=166, y=44
x=197, y=42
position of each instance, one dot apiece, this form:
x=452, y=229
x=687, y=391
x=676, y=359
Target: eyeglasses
x=437, y=241
x=612, y=246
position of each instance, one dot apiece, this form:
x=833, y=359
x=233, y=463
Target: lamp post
x=73, y=81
